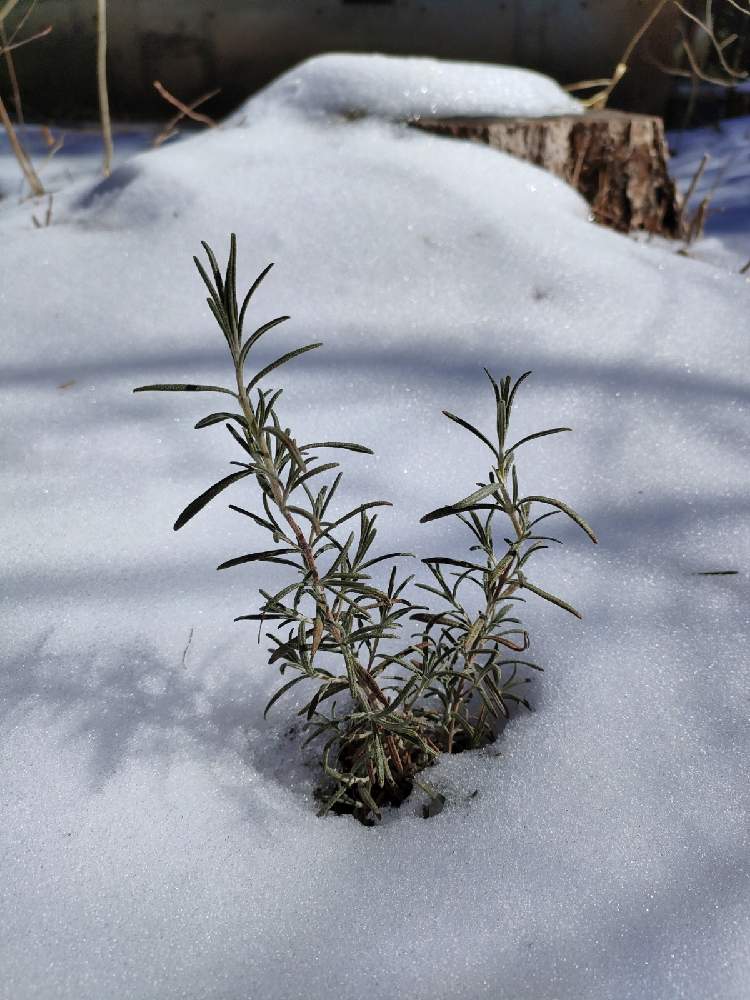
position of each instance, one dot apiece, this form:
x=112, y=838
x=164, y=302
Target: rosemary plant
x=383, y=708
x=330, y=619
x=464, y=663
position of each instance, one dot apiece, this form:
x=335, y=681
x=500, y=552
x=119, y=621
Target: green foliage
x=465, y=656
x=381, y=707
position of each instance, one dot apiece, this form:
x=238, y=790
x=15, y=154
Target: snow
x=400, y=88
x=158, y=838
x=724, y=183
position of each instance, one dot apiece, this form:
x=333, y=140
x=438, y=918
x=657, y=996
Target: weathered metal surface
x=239, y=45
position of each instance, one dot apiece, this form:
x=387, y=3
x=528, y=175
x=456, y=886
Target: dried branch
x=9, y=46
x=693, y=185
x=101, y=76
x=7, y=51
x=37, y=188
x=18, y=28
x=186, y=110
x=47, y=218
x=7, y=8
x=169, y=128
x=600, y=99
x=707, y=28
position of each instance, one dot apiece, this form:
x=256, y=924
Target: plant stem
x=355, y=670
x=498, y=593
x=37, y=188
x=12, y=74
x=101, y=75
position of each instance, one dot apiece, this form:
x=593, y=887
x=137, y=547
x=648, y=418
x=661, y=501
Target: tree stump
x=617, y=161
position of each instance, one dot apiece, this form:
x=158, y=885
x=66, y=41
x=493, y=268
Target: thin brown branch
x=101, y=74
x=698, y=72
x=693, y=185
x=169, y=128
x=19, y=27
x=47, y=216
x=53, y=145
x=7, y=8
x=7, y=49
x=185, y=109
x=37, y=188
x=9, y=46
x=587, y=84
x=698, y=221
x=707, y=28
x=745, y=268
x=600, y=99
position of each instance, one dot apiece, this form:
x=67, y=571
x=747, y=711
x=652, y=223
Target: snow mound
x=137, y=194
x=400, y=88
x=157, y=834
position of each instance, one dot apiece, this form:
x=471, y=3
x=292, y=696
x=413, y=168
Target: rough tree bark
x=617, y=161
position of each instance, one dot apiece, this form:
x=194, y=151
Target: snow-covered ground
x=725, y=183
x=158, y=838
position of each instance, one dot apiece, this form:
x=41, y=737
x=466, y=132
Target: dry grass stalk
x=47, y=219
x=704, y=25
x=7, y=8
x=600, y=99
x=693, y=185
x=185, y=111
x=9, y=44
x=7, y=52
x=37, y=188
x=698, y=221
x=101, y=74
x=8, y=47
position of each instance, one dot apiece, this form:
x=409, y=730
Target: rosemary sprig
x=382, y=708
x=465, y=656
x=331, y=619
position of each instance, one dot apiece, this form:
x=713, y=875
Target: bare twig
x=698, y=221
x=101, y=73
x=169, y=128
x=12, y=74
x=47, y=215
x=185, y=109
x=600, y=99
x=10, y=46
x=7, y=8
x=693, y=185
x=24, y=19
x=37, y=188
x=587, y=84
x=697, y=71
x=707, y=27
x=583, y=153
x=745, y=268
x=53, y=145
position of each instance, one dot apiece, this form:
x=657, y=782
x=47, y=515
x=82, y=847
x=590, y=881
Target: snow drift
x=158, y=838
